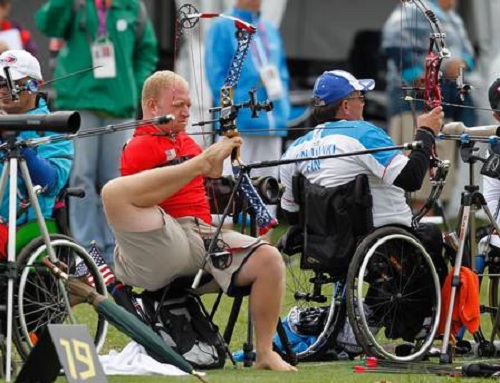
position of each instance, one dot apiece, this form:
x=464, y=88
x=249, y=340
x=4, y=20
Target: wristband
x=427, y=129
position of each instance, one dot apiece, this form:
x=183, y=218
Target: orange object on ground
x=466, y=308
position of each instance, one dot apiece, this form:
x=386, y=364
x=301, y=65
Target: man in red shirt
x=160, y=215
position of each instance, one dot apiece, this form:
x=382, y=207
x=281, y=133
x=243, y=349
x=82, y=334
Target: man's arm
x=55, y=18
x=41, y=170
x=50, y=166
x=412, y=175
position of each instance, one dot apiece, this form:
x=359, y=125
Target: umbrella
x=123, y=320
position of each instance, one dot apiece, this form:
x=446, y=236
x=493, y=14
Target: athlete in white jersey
x=338, y=109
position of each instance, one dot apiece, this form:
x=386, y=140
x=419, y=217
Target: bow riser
x=227, y=118
x=432, y=90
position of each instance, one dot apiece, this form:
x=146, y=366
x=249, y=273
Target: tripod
x=13, y=160
x=471, y=201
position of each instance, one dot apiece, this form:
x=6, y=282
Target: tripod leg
x=446, y=356
x=290, y=356
x=248, y=353
x=11, y=260
x=231, y=321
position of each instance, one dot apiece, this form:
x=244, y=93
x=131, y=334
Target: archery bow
x=432, y=98
x=436, y=53
x=188, y=17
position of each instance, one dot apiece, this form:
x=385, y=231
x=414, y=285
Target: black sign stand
x=66, y=346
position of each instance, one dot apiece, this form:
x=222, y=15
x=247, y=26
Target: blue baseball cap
x=334, y=85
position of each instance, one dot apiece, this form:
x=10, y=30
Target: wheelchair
x=353, y=288
x=39, y=297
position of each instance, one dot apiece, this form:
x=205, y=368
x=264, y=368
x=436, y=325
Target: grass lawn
x=338, y=371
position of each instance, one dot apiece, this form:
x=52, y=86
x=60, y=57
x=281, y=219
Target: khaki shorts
x=401, y=131
x=153, y=259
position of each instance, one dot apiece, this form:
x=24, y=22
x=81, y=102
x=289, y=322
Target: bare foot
x=272, y=361
x=215, y=155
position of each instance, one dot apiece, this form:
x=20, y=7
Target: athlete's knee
x=271, y=260
x=110, y=193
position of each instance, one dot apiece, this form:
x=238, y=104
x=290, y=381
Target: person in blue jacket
x=49, y=164
x=264, y=69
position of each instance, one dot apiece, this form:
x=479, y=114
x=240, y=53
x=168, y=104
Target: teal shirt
x=59, y=154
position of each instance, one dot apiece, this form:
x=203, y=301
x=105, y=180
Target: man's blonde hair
x=160, y=80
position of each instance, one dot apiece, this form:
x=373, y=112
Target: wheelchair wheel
x=393, y=295
x=42, y=299
x=314, y=307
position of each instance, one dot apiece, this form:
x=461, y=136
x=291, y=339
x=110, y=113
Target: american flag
x=107, y=274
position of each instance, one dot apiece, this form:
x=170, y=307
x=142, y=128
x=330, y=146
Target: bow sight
x=228, y=114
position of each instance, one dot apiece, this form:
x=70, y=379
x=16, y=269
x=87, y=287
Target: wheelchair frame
x=346, y=290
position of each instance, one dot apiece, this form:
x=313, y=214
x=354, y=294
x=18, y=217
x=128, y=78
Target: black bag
x=334, y=219
x=185, y=325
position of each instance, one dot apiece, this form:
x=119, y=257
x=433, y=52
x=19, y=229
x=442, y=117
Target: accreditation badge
x=103, y=59
x=272, y=82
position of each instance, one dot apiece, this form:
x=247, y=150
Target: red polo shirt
x=150, y=149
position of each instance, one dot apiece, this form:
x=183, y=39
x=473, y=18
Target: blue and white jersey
x=382, y=168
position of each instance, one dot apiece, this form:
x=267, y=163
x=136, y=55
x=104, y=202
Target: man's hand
x=432, y=120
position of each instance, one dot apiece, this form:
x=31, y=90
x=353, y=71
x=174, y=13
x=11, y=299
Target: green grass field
x=338, y=371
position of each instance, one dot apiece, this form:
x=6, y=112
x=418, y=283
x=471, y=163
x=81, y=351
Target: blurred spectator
x=405, y=41
x=12, y=34
x=118, y=37
x=265, y=70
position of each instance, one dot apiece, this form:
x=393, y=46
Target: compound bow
x=188, y=17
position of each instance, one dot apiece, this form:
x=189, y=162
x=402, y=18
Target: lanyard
x=261, y=49
x=102, y=10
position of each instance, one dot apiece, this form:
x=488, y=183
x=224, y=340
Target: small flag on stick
x=107, y=274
